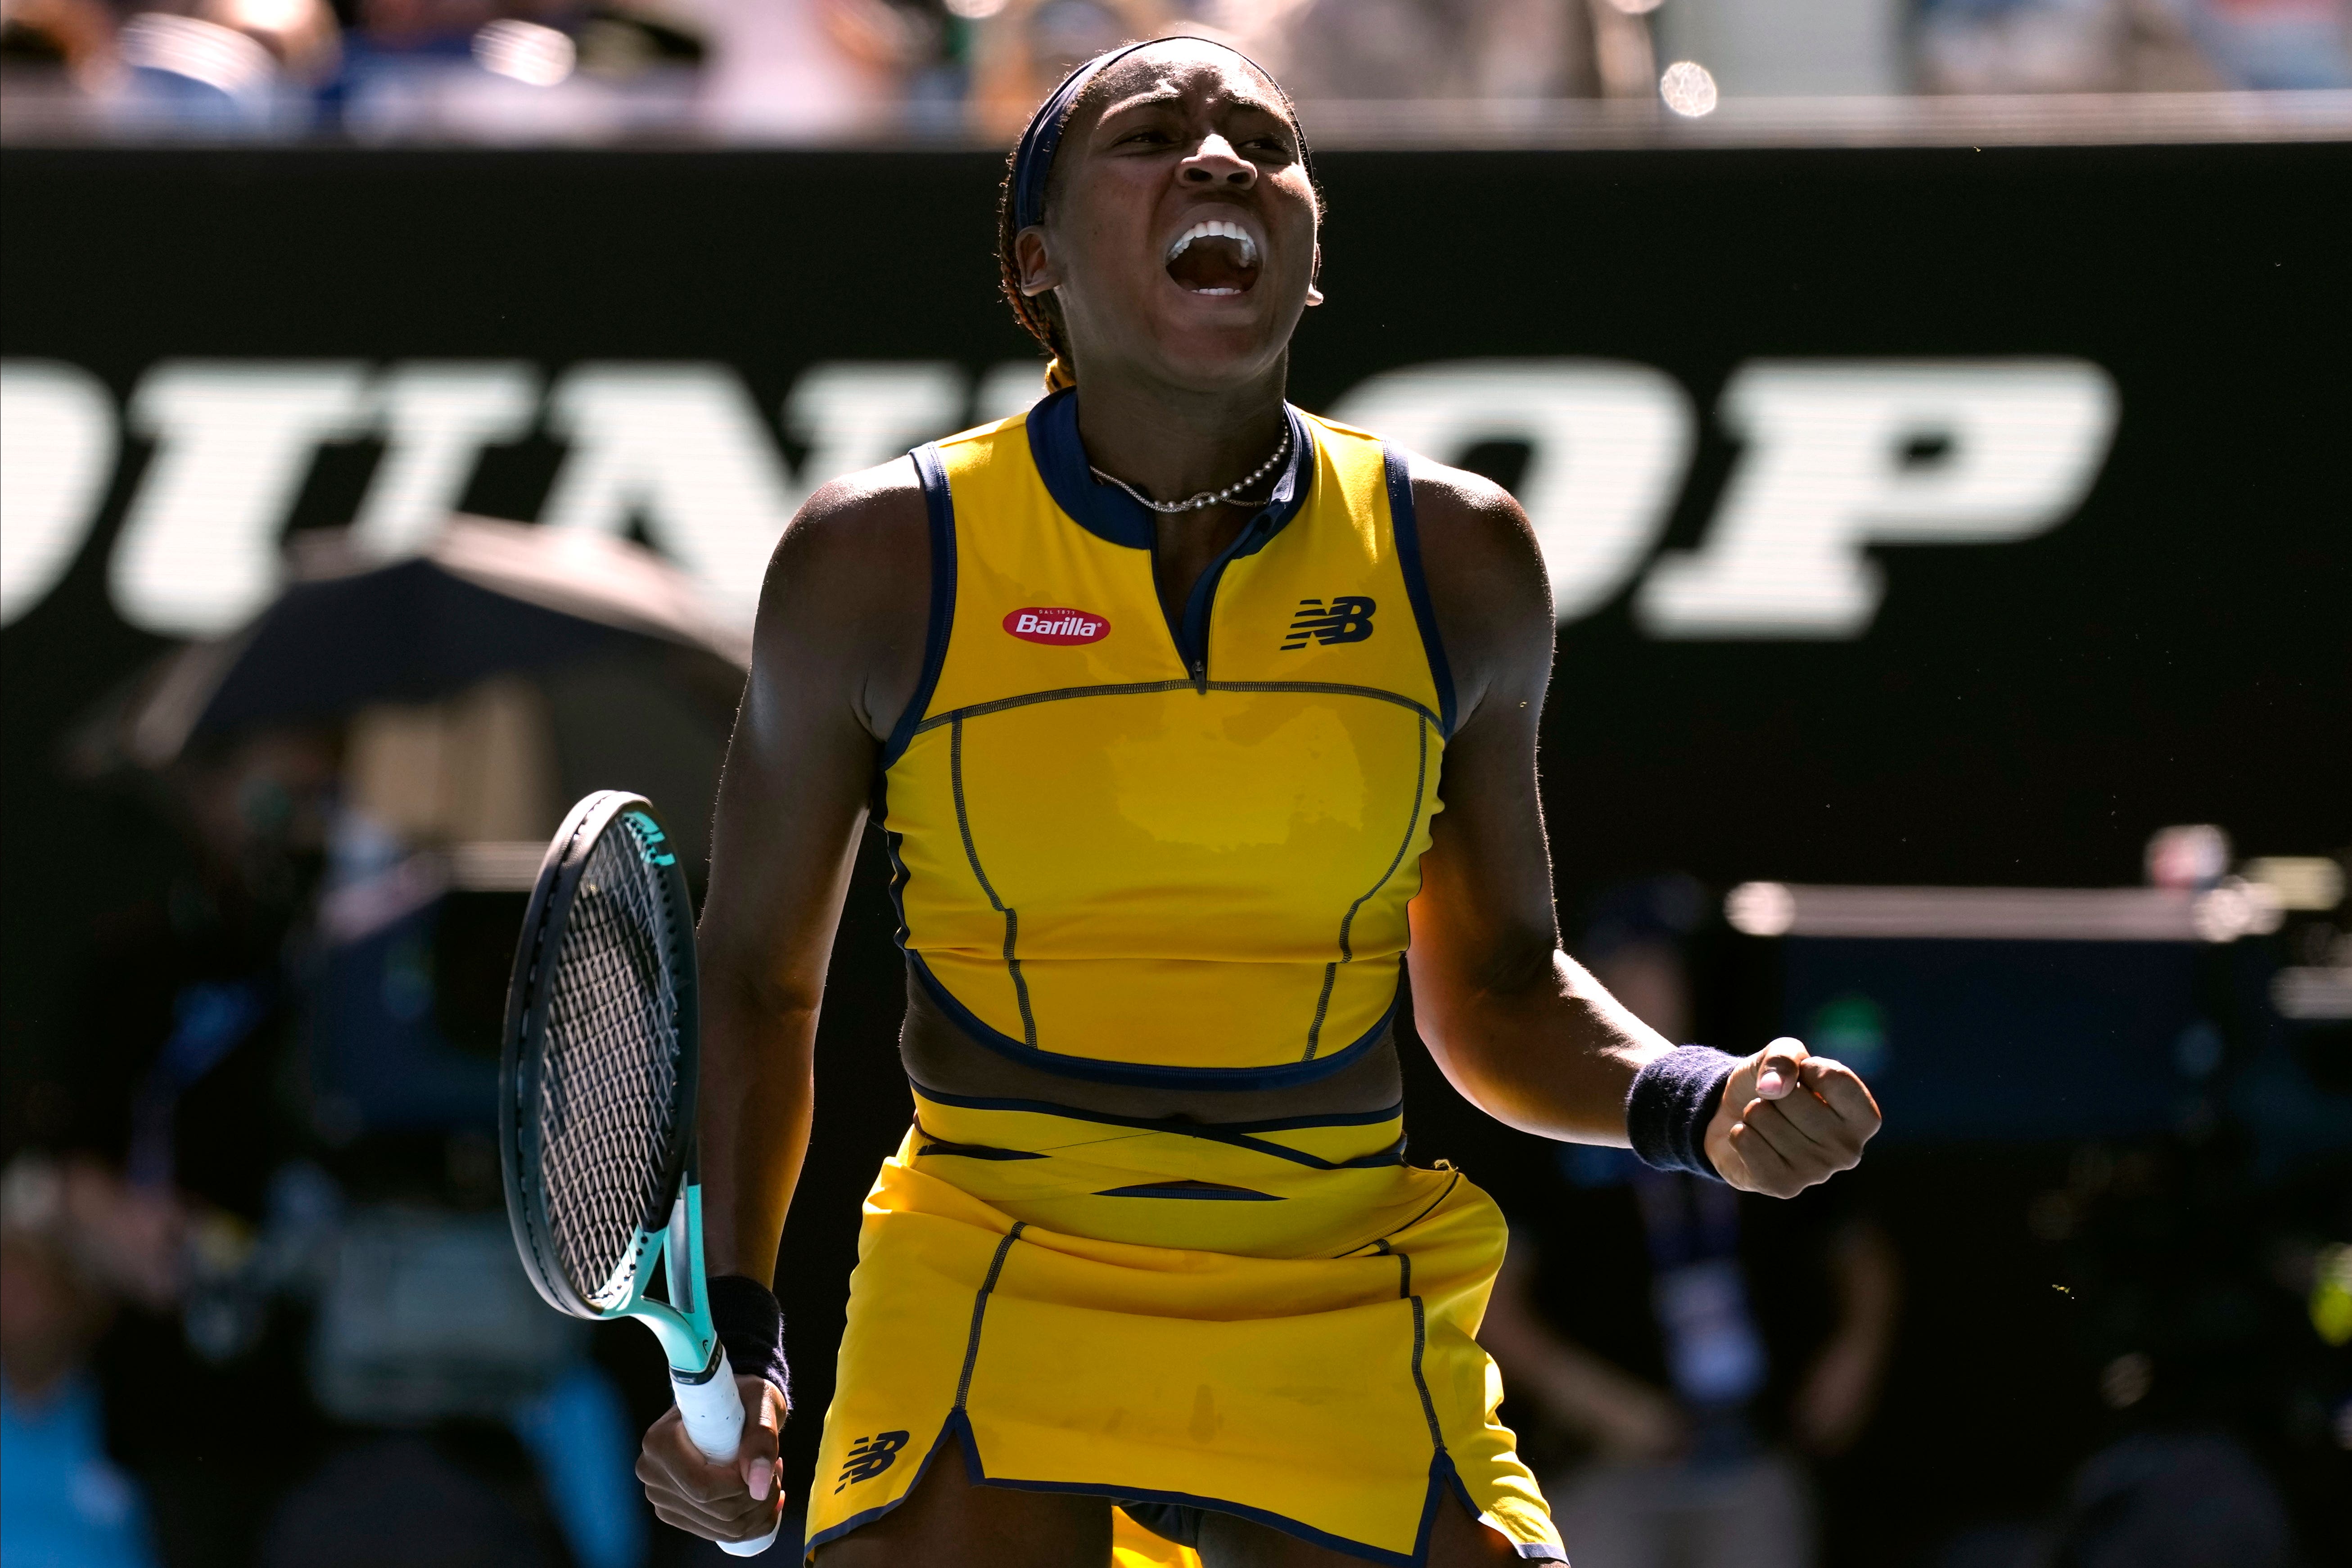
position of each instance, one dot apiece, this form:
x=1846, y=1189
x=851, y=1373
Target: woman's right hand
x=735, y=1501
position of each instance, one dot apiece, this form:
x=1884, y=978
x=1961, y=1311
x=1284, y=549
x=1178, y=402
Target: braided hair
x=1041, y=316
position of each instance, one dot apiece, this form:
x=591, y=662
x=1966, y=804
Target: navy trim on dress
x=1282, y=1075
x=899, y=872
x=1145, y=688
x=975, y=1151
x=1443, y=1479
x=939, y=502
x=1194, y=1190
x=954, y=1424
x=1405, y=524
x=1110, y=513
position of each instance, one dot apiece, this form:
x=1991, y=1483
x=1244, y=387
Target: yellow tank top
x=1138, y=852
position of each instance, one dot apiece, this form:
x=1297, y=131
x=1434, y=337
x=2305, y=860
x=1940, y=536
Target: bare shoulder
x=851, y=525
x=1487, y=583
x=848, y=592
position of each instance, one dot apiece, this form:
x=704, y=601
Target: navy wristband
x=1670, y=1104
x=751, y=1326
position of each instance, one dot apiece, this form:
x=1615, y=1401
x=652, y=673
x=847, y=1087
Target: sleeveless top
x=1179, y=854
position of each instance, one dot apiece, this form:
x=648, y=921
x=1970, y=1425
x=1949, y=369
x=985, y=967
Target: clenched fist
x=1790, y=1120
x=738, y=1501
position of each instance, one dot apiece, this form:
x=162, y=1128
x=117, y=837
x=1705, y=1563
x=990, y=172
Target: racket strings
x=608, y=1093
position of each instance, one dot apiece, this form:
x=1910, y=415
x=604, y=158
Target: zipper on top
x=1191, y=629
x=1188, y=629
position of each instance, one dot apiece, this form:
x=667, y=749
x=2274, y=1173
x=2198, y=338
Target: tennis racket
x=597, y=1084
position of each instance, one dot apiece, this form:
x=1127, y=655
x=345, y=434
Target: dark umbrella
x=485, y=598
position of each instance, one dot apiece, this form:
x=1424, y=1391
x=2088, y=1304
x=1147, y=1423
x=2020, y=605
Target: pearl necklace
x=1206, y=498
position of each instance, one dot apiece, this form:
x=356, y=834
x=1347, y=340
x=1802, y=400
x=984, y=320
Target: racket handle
x=713, y=1413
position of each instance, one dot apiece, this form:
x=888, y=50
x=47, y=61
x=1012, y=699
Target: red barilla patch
x=1060, y=627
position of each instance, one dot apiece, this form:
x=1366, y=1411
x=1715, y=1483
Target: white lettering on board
x=437, y=416
x=1608, y=443
x=1846, y=454
x=1839, y=457
x=198, y=552
x=59, y=437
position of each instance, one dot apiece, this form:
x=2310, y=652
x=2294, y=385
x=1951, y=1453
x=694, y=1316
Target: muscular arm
x=836, y=654
x=1517, y=1025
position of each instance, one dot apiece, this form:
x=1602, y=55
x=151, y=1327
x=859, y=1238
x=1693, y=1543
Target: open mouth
x=1214, y=257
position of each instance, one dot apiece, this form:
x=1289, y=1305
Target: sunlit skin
x=1178, y=140
x=1180, y=392
x=1183, y=390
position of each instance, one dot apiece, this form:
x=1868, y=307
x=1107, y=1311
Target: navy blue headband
x=1033, y=160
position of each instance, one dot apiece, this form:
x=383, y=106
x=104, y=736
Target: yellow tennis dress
x=1133, y=851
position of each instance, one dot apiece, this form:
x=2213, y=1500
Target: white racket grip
x=713, y=1413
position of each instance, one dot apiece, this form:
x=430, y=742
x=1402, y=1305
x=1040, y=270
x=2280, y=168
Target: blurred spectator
x=1445, y=50
x=810, y=69
x=1022, y=47
x=64, y=1503
x=1792, y=48
x=227, y=65
x=2265, y=44
x=2059, y=45
x=77, y=34
x=234, y=1054
x=520, y=69
x=278, y=1133
x=902, y=42
x=182, y=1103
x=1455, y=49
x=612, y=40
x=1664, y=1337
x=184, y=1084
x=827, y=69
x=447, y=25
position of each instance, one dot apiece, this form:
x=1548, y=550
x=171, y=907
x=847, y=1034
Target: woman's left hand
x=1790, y=1120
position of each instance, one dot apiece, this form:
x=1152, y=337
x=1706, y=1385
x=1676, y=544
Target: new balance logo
x=869, y=1456
x=1345, y=619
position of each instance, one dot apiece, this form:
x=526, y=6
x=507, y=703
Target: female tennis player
x=1195, y=723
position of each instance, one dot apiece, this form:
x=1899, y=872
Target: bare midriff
x=938, y=1056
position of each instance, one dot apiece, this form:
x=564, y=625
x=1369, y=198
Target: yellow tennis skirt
x=1273, y=1321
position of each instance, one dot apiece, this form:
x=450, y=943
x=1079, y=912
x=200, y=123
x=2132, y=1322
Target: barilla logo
x=1061, y=628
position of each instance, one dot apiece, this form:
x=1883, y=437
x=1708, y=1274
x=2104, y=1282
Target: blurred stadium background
x=1935, y=414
